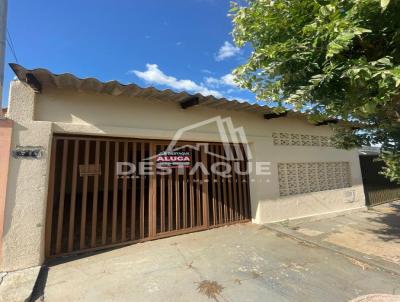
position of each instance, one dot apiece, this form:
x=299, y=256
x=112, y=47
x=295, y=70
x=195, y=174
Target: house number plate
x=27, y=152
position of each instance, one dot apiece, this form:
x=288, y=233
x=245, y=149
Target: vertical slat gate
x=84, y=199
x=184, y=197
x=73, y=197
x=95, y=198
x=115, y=197
x=142, y=180
x=152, y=195
x=133, y=194
x=91, y=206
x=213, y=189
x=204, y=193
x=105, y=193
x=378, y=189
x=162, y=199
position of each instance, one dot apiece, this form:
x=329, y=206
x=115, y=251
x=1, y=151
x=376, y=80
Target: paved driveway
x=237, y=263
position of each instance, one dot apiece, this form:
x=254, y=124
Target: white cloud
x=153, y=75
x=226, y=80
x=179, y=43
x=226, y=51
x=212, y=81
x=228, y=85
x=239, y=99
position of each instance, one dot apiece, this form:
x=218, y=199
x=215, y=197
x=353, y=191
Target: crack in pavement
x=2, y=276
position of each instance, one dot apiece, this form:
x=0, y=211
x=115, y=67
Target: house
x=75, y=184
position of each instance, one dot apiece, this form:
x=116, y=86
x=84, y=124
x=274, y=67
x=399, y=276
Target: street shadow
x=388, y=217
x=81, y=255
x=40, y=285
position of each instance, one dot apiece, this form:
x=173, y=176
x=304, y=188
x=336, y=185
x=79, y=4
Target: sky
x=183, y=45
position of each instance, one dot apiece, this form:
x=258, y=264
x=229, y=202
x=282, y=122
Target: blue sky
x=177, y=44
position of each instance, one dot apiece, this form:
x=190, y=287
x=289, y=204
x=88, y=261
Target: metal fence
x=378, y=189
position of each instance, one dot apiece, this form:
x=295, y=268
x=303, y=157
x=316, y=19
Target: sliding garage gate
x=378, y=189
x=91, y=207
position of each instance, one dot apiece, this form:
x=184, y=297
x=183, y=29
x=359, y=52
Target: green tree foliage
x=328, y=58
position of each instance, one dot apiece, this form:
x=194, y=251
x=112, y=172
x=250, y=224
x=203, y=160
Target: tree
x=328, y=58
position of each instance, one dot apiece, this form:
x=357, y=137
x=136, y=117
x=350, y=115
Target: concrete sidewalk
x=374, y=234
x=18, y=285
x=237, y=263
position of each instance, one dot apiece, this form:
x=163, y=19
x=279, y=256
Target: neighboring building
x=63, y=195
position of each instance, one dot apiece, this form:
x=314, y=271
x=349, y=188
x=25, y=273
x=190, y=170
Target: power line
x=11, y=40
x=11, y=46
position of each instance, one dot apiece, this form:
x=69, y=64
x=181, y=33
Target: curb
x=371, y=260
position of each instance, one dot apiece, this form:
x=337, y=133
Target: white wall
x=24, y=217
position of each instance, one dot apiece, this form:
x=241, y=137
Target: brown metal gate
x=378, y=189
x=90, y=207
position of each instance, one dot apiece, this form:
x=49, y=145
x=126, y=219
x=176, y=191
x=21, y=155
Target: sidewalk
x=245, y=262
x=372, y=235
x=17, y=286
